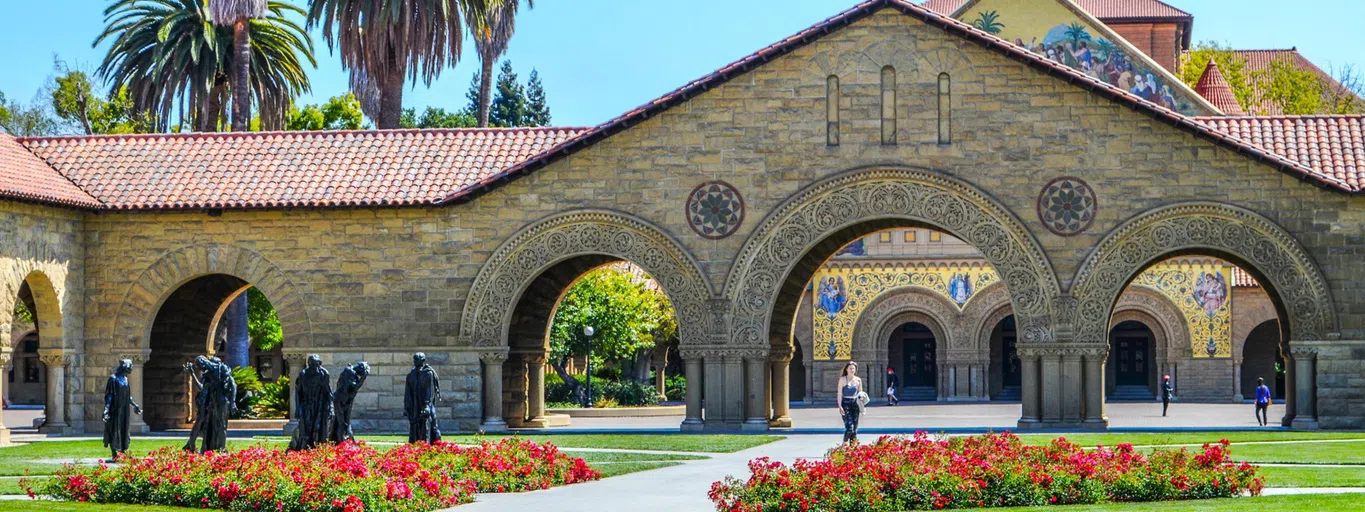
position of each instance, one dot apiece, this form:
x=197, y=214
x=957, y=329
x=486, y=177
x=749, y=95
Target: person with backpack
x=893, y=386
x=1262, y=402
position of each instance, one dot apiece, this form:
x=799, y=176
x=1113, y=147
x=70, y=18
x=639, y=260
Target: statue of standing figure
x=420, y=395
x=312, y=405
x=214, y=404
x=118, y=397
x=344, y=398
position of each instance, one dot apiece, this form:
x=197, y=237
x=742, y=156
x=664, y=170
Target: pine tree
x=537, y=111
x=509, y=103
x=473, y=96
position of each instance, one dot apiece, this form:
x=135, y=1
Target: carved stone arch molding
x=133, y=325
x=47, y=282
x=899, y=305
x=543, y=244
x=983, y=312
x=844, y=206
x=1159, y=314
x=1270, y=253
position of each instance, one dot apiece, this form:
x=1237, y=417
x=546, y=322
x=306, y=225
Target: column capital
x=139, y=357
x=1302, y=351
x=54, y=357
x=296, y=359
x=493, y=356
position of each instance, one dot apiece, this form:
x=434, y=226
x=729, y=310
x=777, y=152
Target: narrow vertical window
x=832, y=110
x=945, y=109
x=888, y=105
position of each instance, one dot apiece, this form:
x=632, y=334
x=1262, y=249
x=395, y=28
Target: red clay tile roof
x=1213, y=87
x=25, y=177
x=284, y=169
x=1105, y=10
x=1241, y=279
x=1333, y=146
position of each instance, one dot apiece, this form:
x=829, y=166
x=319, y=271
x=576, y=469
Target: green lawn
x=1313, y=477
x=611, y=469
x=1306, y=453
x=712, y=443
x=16, y=460
x=1317, y=503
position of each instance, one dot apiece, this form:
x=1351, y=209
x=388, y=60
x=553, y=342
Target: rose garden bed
x=994, y=470
x=349, y=477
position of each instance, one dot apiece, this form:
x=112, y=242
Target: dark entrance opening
x=1131, y=362
x=918, y=361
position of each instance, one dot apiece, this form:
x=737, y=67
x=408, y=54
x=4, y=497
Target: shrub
x=675, y=388
x=995, y=470
x=625, y=393
x=273, y=401
x=347, y=477
x=248, y=391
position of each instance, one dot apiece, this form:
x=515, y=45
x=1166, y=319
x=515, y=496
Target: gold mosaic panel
x=842, y=293
x=1202, y=290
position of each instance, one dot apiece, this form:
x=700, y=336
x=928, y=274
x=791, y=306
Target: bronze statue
x=312, y=405
x=217, y=401
x=117, y=398
x=420, y=395
x=198, y=372
x=344, y=398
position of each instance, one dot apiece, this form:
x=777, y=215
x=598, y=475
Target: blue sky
x=599, y=58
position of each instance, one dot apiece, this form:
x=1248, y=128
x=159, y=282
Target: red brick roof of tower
x=1260, y=60
x=286, y=169
x=1104, y=10
x=24, y=176
x=1213, y=87
x=1332, y=145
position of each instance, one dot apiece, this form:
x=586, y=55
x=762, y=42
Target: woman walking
x=1167, y=393
x=850, y=386
x=1262, y=402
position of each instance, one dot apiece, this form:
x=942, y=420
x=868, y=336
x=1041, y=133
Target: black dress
x=419, y=405
x=118, y=399
x=313, y=401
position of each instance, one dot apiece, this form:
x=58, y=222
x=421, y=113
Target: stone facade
x=468, y=283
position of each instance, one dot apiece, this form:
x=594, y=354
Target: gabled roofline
x=297, y=133
x=946, y=23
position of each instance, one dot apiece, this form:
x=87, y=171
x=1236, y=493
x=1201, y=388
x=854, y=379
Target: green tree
x=385, y=43
x=472, y=95
x=537, y=111
x=989, y=21
x=236, y=15
x=509, y=104
x=492, y=30
x=21, y=312
x=339, y=113
x=169, y=55
x=75, y=100
x=1077, y=33
x=263, y=325
x=628, y=316
x=22, y=120
x=1295, y=91
x=1230, y=64
x=434, y=117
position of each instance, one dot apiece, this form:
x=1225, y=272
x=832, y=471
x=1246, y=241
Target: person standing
x=893, y=386
x=1167, y=393
x=312, y=405
x=420, y=395
x=118, y=397
x=849, y=388
x=1262, y=402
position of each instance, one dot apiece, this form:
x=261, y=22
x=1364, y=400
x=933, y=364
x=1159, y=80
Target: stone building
x=732, y=192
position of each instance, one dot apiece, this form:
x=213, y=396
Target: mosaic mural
x=841, y=295
x=1067, y=206
x=1202, y=292
x=1057, y=34
x=715, y=209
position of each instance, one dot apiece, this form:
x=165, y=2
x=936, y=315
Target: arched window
x=945, y=109
x=832, y=110
x=888, y=105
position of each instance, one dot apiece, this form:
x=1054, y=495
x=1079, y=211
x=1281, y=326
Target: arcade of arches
x=1075, y=208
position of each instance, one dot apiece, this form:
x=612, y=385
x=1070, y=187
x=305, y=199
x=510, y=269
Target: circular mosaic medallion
x=715, y=209
x=1067, y=206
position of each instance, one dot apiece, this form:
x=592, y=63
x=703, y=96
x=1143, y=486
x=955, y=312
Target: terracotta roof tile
x=24, y=176
x=1241, y=279
x=284, y=169
x=1213, y=87
x=1333, y=146
x=1105, y=10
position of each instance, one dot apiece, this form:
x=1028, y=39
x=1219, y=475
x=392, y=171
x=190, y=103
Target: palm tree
x=989, y=21
x=492, y=32
x=1077, y=33
x=169, y=54
x=384, y=42
x=237, y=15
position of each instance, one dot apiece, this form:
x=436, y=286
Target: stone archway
x=553, y=252
x=1171, y=335
x=981, y=315
x=220, y=272
x=787, y=247
x=1268, y=252
x=44, y=299
x=890, y=310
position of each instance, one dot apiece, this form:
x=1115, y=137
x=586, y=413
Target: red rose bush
x=350, y=477
x=994, y=470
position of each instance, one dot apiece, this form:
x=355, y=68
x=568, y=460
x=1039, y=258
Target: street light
x=587, y=331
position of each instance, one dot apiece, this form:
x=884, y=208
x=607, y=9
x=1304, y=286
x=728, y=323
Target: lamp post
x=587, y=331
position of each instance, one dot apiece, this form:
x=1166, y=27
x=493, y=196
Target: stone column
x=756, y=385
x=1290, y=388
x=1029, y=389
x=1051, y=387
x=660, y=361
x=137, y=425
x=4, y=431
x=714, y=412
x=734, y=396
x=492, y=391
x=1237, y=381
x=692, y=372
x=297, y=362
x=1073, y=387
x=55, y=411
x=515, y=382
x=781, y=389
x=1305, y=376
x=1094, y=389
x=535, y=390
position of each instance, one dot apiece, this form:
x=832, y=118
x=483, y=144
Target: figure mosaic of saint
x=1210, y=292
x=833, y=295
